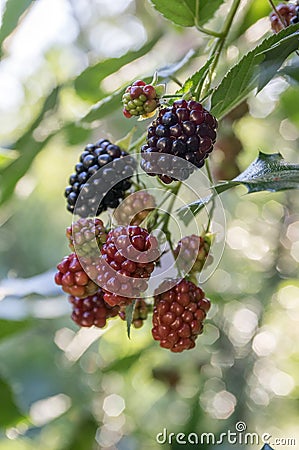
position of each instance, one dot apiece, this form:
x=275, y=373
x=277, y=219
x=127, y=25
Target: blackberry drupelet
x=178, y=315
x=74, y=279
x=128, y=259
x=185, y=131
x=193, y=250
x=134, y=208
x=140, y=99
x=92, y=310
x=89, y=184
x=86, y=236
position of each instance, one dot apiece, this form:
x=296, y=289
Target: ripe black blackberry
x=86, y=236
x=92, y=310
x=75, y=280
x=140, y=313
x=178, y=315
x=128, y=259
x=134, y=208
x=185, y=131
x=287, y=15
x=89, y=184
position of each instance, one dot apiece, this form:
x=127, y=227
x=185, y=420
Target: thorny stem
x=202, y=29
x=219, y=44
x=205, y=87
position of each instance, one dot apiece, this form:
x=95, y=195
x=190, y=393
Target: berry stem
x=284, y=24
x=209, y=173
x=137, y=143
x=173, y=78
x=219, y=45
x=155, y=211
x=169, y=209
x=202, y=29
x=173, y=95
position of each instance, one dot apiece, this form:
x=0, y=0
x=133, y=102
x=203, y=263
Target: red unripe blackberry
x=134, y=208
x=185, y=131
x=86, y=236
x=192, y=252
x=128, y=259
x=178, y=315
x=94, y=188
x=92, y=310
x=140, y=313
x=287, y=15
x=141, y=99
x=74, y=279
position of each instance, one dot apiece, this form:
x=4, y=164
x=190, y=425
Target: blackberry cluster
x=135, y=208
x=128, y=259
x=86, y=236
x=185, y=131
x=92, y=310
x=140, y=313
x=288, y=13
x=178, y=315
x=193, y=250
x=74, y=279
x=140, y=99
x=108, y=184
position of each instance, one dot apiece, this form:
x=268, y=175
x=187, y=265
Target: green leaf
x=180, y=12
x=194, y=83
x=275, y=56
x=187, y=13
x=10, y=327
x=28, y=148
x=76, y=134
x=7, y=156
x=12, y=13
x=291, y=72
x=9, y=412
x=125, y=142
x=87, y=84
x=267, y=173
x=129, y=316
x=104, y=107
x=123, y=364
x=207, y=9
x=254, y=70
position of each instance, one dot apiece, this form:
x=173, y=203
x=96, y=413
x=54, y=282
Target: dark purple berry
x=106, y=187
x=186, y=130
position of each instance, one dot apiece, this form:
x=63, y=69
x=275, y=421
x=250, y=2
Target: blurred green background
x=64, y=389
